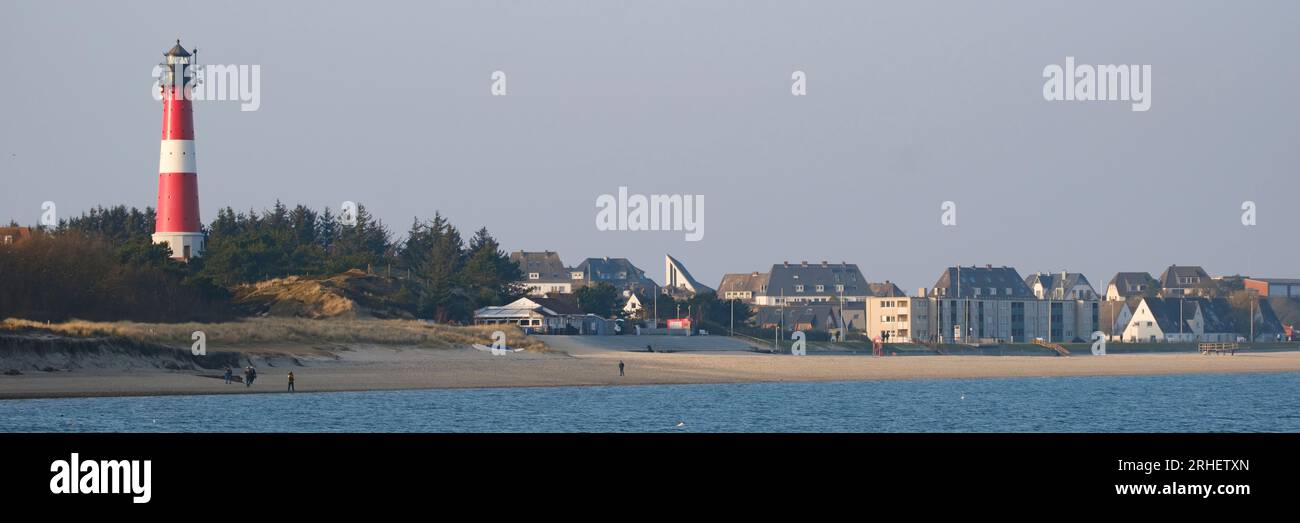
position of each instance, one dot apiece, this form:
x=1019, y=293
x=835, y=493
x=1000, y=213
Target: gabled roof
x=551, y=306
x=1169, y=278
x=743, y=282
x=559, y=304
x=546, y=264
x=1286, y=310
x=1218, y=315
x=1126, y=283
x=1112, y=310
x=1167, y=313
x=983, y=278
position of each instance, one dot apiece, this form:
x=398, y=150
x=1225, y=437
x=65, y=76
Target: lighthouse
x=177, y=221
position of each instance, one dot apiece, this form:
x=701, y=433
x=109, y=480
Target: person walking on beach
x=248, y=376
x=290, y=381
x=229, y=375
x=252, y=372
x=620, y=368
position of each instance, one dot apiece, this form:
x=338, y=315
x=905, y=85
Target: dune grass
x=255, y=331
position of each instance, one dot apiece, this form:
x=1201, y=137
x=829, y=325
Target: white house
x=1174, y=320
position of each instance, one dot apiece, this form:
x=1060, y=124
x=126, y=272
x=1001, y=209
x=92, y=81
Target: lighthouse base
x=184, y=245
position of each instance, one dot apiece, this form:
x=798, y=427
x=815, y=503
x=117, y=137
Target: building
x=853, y=316
x=1265, y=324
x=1061, y=286
x=1127, y=285
x=976, y=282
x=537, y=315
x=545, y=315
x=1188, y=280
x=742, y=287
x=12, y=235
x=994, y=304
x=899, y=318
x=177, y=220
x=1181, y=320
x=634, y=307
x=1273, y=287
x=807, y=317
x=619, y=272
x=544, y=273
x=789, y=284
x=678, y=280
x=1114, y=315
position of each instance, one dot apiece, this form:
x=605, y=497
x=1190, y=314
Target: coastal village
x=976, y=305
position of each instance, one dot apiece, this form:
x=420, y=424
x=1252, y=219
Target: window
x=839, y=287
x=576, y=275
x=821, y=288
x=798, y=288
x=534, y=276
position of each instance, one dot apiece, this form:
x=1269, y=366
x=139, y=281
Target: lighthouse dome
x=177, y=50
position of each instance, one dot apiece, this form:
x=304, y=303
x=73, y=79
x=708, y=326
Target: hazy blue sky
x=909, y=104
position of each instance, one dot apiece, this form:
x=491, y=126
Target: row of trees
x=62, y=275
x=73, y=274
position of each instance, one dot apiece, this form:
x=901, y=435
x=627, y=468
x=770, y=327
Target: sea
x=1182, y=403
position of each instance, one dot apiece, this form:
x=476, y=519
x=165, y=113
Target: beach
x=383, y=367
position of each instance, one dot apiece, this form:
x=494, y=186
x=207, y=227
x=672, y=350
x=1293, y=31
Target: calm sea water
x=1187, y=403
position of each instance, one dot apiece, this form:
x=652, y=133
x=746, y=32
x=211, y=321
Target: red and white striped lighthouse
x=177, y=222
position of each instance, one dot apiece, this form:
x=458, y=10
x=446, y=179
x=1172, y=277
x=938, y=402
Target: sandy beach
x=379, y=367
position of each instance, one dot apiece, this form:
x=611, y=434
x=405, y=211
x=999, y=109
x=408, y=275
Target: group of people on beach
x=250, y=375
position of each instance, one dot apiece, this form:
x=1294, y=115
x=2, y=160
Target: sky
x=908, y=104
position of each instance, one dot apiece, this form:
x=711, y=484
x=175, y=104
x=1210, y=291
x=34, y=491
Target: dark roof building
x=616, y=271
x=543, y=272
x=742, y=286
x=808, y=317
x=1061, y=286
x=545, y=264
x=1131, y=285
x=805, y=282
x=1174, y=315
x=1187, y=280
x=981, y=282
x=559, y=303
